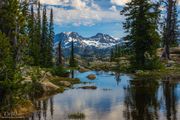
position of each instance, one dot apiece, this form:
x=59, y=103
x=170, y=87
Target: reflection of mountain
x=98, y=44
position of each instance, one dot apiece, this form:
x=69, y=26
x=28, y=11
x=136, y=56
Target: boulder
x=26, y=82
x=42, y=73
x=82, y=70
x=170, y=63
x=66, y=83
x=48, y=86
x=49, y=74
x=91, y=76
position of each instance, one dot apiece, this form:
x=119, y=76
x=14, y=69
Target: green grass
x=157, y=74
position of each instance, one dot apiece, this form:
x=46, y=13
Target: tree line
x=26, y=36
x=147, y=31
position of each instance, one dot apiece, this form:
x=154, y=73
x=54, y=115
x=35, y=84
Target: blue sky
x=88, y=17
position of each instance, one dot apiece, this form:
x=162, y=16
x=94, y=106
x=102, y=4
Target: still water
x=117, y=97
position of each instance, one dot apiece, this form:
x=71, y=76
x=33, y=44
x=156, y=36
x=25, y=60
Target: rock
x=91, y=76
x=24, y=108
x=89, y=87
x=82, y=70
x=27, y=78
x=49, y=74
x=48, y=86
x=170, y=63
x=65, y=83
x=26, y=82
x=42, y=73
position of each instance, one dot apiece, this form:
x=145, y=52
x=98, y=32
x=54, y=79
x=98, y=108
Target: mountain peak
x=99, y=34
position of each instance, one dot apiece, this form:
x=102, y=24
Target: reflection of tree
x=170, y=97
x=72, y=73
x=141, y=100
x=51, y=107
x=45, y=104
x=118, y=78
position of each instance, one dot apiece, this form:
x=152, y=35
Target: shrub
x=59, y=71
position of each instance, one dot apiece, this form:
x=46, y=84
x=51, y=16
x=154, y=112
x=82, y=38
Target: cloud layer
x=83, y=12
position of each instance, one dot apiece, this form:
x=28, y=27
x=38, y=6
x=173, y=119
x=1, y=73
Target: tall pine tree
x=141, y=25
x=31, y=28
x=37, y=36
x=44, y=39
x=6, y=59
x=59, y=54
x=171, y=28
x=72, y=61
x=50, y=41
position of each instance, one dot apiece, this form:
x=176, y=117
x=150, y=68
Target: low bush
x=59, y=71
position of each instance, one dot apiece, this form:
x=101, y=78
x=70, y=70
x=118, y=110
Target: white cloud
x=113, y=8
x=119, y=2
x=78, y=4
x=55, y=2
x=84, y=12
x=86, y=17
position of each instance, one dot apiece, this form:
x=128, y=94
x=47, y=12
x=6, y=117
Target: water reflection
x=128, y=99
x=141, y=100
x=118, y=78
x=170, y=99
x=123, y=99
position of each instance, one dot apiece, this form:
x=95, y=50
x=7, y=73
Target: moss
x=76, y=116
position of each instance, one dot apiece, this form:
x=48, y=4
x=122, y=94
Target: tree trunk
x=60, y=54
x=168, y=31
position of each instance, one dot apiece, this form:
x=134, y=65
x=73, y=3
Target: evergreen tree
x=44, y=39
x=171, y=32
x=112, y=55
x=59, y=55
x=9, y=14
x=50, y=41
x=175, y=25
x=37, y=36
x=12, y=24
x=72, y=62
x=141, y=25
x=31, y=29
x=6, y=59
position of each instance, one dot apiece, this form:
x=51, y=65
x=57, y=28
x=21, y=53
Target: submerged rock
x=91, y=76
x=89, y=87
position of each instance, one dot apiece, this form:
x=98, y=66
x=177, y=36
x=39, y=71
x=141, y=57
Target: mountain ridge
x=86, y=45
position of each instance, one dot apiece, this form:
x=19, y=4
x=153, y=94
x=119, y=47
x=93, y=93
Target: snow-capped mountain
x=100, y=43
